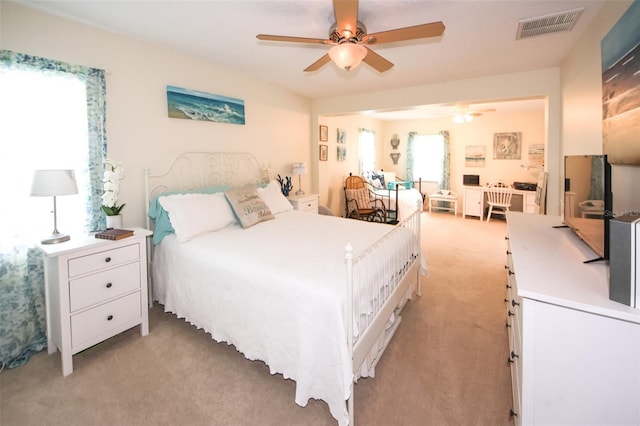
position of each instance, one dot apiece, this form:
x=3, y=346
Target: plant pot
x=114, y=221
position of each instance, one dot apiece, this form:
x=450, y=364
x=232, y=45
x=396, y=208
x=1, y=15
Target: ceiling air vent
x=553, y=23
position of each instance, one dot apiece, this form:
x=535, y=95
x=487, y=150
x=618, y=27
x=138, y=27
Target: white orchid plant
x=113, y=174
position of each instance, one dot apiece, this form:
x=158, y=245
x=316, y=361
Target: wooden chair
x=498, y=198
x=360, y=202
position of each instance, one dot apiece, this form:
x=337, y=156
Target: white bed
x=315, y=297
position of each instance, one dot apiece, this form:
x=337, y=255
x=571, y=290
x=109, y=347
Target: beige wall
x=139, y=133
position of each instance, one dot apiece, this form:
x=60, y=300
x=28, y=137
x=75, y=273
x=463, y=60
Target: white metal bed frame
x=192, y=170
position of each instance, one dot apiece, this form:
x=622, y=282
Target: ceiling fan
x=467, y=114
x=349, y=39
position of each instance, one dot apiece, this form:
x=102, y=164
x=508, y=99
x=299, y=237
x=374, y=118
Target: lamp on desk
x=47, y=183
x=299, y=169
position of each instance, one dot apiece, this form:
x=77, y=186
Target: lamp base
x=299, y=192
x=55, y=239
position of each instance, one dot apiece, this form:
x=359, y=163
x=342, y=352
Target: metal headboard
x=192, y=170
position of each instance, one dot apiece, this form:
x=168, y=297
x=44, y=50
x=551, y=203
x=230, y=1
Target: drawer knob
x=514, y=303
x=110, y=317
x=108, y=259
x=513, y=413
x=109, y=285
x=514, y=355
x=508, y=286
x=510, y=313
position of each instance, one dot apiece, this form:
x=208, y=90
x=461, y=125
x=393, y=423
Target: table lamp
x=299, y=169
x=51, y=183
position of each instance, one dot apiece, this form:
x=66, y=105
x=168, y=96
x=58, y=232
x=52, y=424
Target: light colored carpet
x=447, y=364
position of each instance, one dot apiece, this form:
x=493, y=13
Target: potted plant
x=113, y=174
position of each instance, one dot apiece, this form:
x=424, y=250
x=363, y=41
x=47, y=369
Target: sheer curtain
x=52, y=115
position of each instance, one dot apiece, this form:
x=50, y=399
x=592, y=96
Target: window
x=367, y=145
x=51, y=117
x=43, y=126
x=428, y=157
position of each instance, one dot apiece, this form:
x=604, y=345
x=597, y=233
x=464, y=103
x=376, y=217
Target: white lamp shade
x=347, y=55
x=48, y=183
x=299, y=169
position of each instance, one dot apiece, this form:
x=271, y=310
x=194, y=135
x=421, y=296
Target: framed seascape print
x=620, y=100
x=342, y=153
x=474, y=156
x=193, y=105
x=324, y=133
x=324, y=152
x=342, y=136
x=506, y=146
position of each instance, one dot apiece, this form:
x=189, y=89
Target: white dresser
x=305, y=203
x=94, y=290
x=574, y=354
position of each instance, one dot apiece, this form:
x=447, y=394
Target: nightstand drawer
x=101, y=320
x=104, y=259
x=305, y=203
x=92, y=289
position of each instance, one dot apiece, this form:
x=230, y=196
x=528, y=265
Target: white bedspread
x=276, y=291
x=409, y=200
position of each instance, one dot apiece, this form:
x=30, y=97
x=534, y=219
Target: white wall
x=139, y=133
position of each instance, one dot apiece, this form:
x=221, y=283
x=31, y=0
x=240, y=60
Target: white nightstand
x=94, y=290
x=305, y=203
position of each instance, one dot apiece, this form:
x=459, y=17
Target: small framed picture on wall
x=324, y=133
x=324, y=152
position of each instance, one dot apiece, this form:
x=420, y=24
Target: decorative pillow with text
x=248, y=206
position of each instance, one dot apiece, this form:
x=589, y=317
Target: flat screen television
x=588, y=200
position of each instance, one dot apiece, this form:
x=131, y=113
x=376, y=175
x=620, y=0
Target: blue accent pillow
x=160, y=216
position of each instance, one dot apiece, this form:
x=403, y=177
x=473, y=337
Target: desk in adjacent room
x=474, y=201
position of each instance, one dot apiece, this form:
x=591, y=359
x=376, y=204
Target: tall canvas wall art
x=621, y=89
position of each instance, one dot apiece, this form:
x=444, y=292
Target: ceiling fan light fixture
x=347, y=55
x=463, y=118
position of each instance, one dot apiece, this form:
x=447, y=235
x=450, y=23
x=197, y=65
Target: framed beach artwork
x=342, y=136
x=324, y=133
x=193, y=105
x=620, y=90
x=342, y=153
x=324, y=152
x=506, y=146
x=474, y=156
x=536, y=155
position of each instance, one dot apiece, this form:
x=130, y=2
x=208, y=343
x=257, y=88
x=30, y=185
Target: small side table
x=94, y=290
x=305, y=203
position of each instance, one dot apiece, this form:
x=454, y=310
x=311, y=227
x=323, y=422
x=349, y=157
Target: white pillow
x=274, y=199
x=195, y=214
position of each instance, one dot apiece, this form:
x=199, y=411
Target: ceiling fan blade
x=289, y=39
x=318, y=64
x=376, y=61
x=346, y=12
x=433, y=29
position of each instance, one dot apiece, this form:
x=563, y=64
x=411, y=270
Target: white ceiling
x=479, y=39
